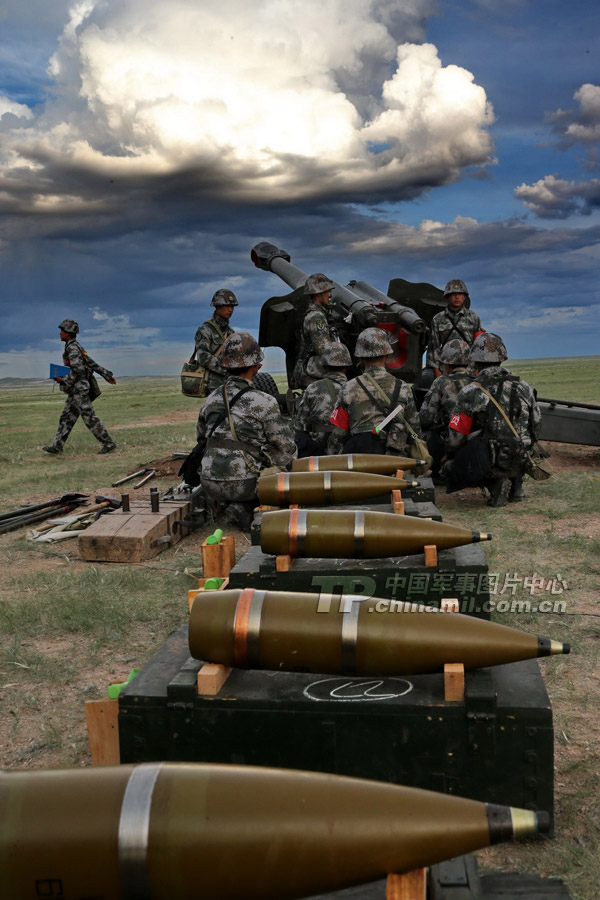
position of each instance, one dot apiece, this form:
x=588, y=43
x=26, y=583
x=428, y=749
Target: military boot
x=239, y=516
x=516, y=494
x=499, y=491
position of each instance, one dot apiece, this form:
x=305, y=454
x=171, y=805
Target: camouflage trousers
x=236, y=499
x=78, y=404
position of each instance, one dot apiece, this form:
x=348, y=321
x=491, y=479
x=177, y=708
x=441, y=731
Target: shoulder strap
x=228, y=405
x=330, y=388
x=371, y=396
x=214, y=325
x=497, y=405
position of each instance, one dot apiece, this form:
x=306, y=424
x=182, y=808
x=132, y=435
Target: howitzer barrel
x=314, y=488
x=360, y=304
x=277, y=630
x=406, y=317
x=356, y=534
x=375, y=463
x=270, y=258
x=191, y=832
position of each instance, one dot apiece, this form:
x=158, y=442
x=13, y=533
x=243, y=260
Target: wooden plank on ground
x=101, y=717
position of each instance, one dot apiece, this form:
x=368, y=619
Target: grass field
x=69, y=628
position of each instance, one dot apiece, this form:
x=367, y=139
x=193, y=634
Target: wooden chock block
x=454, y=682
x=211, y=678
x=449, y=604
x=400, y=473
x=410, y=886
x=101, y=718
x=397, y=503
x=201, y=590
x=431, y=555
x=218, y=559
x=283, y=563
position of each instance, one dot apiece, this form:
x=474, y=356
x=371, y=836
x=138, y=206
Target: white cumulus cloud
x=557, y=198
x=261, y=102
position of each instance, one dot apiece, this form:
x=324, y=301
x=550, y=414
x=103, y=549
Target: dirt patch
x=572, y=456
x=176, y=417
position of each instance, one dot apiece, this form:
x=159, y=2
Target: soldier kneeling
x=318, y=401
x=244, y=431
x=495, y=421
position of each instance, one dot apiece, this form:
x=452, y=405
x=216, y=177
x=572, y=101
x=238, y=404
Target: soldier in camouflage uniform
x=318, y=400
x=453, y=322
x=440, y=400
x=475, y=411
x=76, y=385
x=245, y=432
x=211, y=336
x=316, y=331
x=365, y=401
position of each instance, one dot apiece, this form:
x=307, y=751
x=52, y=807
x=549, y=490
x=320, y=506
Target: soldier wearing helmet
x=316, y=331
x=440, y=400
x=366, y=400
x=81, y=389
x=211, y=336
x=318, y=400
x=476, y=411
x=456, y=321
x=244, y=432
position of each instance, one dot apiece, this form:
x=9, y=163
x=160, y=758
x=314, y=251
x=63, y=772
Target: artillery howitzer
x=404, y=315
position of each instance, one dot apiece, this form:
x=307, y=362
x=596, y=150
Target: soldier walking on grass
x=77, y=386
x=211, y=336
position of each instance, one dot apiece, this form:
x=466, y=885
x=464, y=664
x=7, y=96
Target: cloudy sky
x=146, y=145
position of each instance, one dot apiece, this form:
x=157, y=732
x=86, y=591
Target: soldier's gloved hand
x=112, y=380
x=59, y=379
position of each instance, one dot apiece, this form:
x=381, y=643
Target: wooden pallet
x=135, y=535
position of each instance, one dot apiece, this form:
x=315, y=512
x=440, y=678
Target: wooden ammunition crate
x=495, y=746
x=461, y=572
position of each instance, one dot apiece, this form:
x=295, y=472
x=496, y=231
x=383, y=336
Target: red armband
x=340, y=418
x=461, y=422
x=477, y=333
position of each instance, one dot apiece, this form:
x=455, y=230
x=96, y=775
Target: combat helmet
x=455, y=286
x=336, y=356
x=488, y=348
x=241, y=351
x=372, y=342
x=69, y=325
x=455, y=353
x=224, y=297
x=318, y=284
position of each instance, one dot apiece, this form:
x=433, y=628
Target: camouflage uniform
x=208, y=340
x=436, y=411
x=447, y=324
x=316, y=333
x=229, y=474
x=77, y=387
x=474, y=411
x=440, y=400
x=314, y=411
x=356, y=413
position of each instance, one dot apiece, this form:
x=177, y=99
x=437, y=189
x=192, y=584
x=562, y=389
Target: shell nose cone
x=481, y=536
x=557, y=647
x=542, y=822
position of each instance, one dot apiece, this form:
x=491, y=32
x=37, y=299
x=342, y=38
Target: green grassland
x=68, y=628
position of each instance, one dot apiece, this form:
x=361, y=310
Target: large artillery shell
x=357, y=636
x=314, y=488
x=376, y=463
x=356, y=534
x=192, y=832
